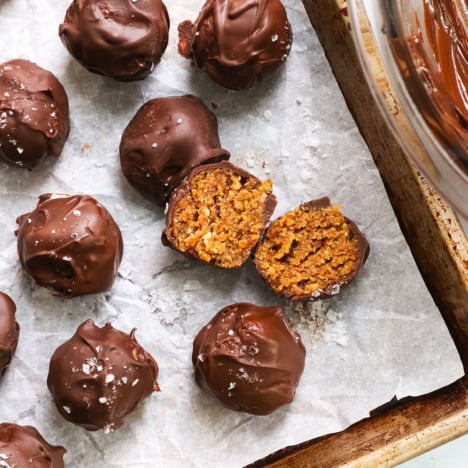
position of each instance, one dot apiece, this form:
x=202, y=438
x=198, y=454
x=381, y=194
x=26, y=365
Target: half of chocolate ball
x=218, y=213
x=311, y=252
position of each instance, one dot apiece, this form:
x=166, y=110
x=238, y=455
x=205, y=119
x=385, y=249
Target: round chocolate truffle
x=122, y=39
x=9, y=331
x=249, y=359
x=23, y=446
x=218, y=213
x=70, y=245
x=165, y=140
x=311, y=252
x=237, y=42
x=34, y=118
x=99, y=376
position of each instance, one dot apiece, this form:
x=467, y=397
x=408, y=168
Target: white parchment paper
x=382, y=336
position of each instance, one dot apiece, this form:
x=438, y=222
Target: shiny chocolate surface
x=70, y=245
x=120, y=39
x=34, y=115
x=23, y=447
x=9, y=331
x=249, y=359
x=165, y=139
x=237, y=42
x=99, y=376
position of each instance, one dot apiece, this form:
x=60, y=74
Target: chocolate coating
x=165, y=140
x=122, y=39
x=237, y=42
x=34, y=117
x=71, y=245
x=23, y=446
x=9, y=331
x=248, y=358
x=99, y=376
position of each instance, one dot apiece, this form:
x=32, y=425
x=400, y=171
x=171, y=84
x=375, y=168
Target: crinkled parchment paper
x=382, y=336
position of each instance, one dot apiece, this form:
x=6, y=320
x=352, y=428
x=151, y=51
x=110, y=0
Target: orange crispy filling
x=308, y=250
x=222, y=217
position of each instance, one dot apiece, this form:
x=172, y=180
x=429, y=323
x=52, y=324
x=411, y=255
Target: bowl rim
x=446, y=177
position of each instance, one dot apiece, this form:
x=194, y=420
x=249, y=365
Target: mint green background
x=451, y=455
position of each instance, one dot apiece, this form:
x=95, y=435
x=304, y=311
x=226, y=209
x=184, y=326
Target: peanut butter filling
x=221, y=217
x=308, y=251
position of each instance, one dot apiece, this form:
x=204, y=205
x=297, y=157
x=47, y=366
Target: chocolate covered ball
x=70, y=245
x=165, y=140
x=99, y=376
x=218, y=213
x=9, y=331
x=122, y=39
x=237, y=42
x=311, y=252
x=23, y=446
x=34, y=117
x=249, y=359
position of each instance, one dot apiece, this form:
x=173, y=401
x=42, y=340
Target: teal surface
x=451, y=455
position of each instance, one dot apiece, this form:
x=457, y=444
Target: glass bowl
x=423, y=46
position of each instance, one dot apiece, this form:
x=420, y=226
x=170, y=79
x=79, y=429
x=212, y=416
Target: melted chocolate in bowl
x=438, y=52
x=424, y=48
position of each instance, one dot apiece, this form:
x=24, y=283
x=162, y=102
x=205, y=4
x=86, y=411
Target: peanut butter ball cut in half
x=311, y=252
x=218, y=213
x=249, y=359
